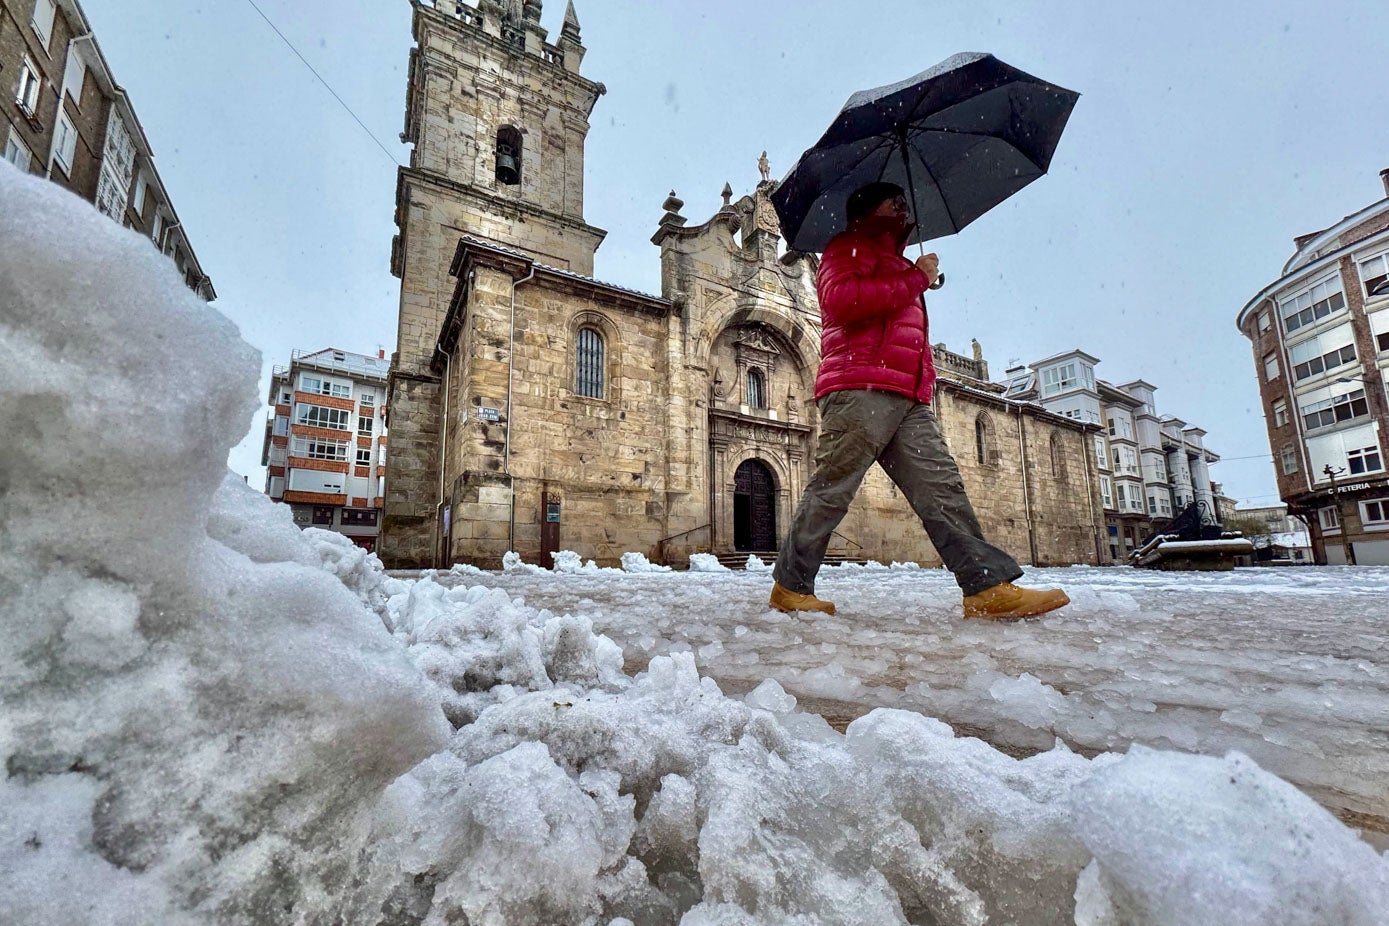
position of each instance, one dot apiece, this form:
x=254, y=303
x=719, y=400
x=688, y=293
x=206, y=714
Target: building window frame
x=365, y=425
x=1271, y=367
x=756, y=389
x=314, y=448
x=1330, y=519
x=1374, y=514
x=321, y=416
x=1369, y=283
x=18, y=153
x=1289, y=460
x=29, y=87
x=64, y=143
x=1280, y=413
x=1325, y=363
x=1322, y=299
x=1364, y=460
x=316, y=385
x=985, y=444
x=1337, y=410
x=1106, y=492
x=590, y=356
x=42, y=21
x=363, y=456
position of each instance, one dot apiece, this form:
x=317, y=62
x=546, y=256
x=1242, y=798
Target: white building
x=1151, y=466
x=325, y=441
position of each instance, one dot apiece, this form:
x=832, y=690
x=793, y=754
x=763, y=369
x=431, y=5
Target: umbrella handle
x=940, y=277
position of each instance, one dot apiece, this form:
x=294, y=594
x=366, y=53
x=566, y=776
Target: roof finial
x=727, y=196
x=571, y=21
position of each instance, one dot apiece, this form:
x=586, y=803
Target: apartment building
x=1320, y=336
x=1151, y=466
x=62, y=115
x=325, y=441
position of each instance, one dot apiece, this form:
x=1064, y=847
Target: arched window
x=757, y=389
x=589, y=368
x=1058, y=459
x=985, y=448
x=509, y=155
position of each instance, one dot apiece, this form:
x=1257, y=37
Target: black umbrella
x=960, y=137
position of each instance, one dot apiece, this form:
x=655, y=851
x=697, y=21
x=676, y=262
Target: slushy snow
x=211, y=717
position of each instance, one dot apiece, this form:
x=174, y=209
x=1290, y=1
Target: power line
x=325, y=84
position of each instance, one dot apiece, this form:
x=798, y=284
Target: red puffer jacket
x=874, y=325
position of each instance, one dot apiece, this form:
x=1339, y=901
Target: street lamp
x=1331, y=473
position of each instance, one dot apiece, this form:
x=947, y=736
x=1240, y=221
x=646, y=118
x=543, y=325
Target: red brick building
x=62, y=115
x=1320, y=334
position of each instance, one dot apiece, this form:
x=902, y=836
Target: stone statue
x=765, y=166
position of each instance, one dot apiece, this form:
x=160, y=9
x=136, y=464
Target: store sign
x=1354, y=487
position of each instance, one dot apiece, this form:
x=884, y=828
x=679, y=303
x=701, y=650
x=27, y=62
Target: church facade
x=534, y=408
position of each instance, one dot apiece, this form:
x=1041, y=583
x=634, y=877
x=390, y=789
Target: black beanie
x=867, y=198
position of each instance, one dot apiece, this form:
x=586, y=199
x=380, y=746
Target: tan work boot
x=1008, y=602
x=783, y=599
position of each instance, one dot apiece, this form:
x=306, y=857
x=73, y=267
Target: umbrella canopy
x=960, y=137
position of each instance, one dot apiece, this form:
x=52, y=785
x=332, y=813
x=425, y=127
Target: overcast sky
x=1205, y=138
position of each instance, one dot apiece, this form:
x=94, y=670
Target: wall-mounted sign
x=552, y=512
x=489, y=414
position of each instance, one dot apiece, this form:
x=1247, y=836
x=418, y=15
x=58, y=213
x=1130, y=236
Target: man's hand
x=929, y=264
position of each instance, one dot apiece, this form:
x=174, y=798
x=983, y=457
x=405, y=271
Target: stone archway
x=754, y=508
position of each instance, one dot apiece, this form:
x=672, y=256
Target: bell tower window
x=509, y=155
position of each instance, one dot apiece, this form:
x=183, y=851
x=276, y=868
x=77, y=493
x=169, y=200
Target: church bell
x=508, y=171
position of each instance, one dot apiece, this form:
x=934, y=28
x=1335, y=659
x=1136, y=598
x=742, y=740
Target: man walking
x=874, y=391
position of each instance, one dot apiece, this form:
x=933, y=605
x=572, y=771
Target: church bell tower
x=498, y=117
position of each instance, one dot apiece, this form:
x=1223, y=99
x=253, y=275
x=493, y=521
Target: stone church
x=534, y=408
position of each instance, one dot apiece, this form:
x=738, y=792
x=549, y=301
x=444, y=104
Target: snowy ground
x=1290, y=666
x=211, y=717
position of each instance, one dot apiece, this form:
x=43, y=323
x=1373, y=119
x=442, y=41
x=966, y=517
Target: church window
x=757, y=389
x=509, y=155
x=1058, y=459
x=590, y=364
x=985, y=447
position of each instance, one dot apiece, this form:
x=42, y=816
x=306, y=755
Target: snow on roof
x=343, y=361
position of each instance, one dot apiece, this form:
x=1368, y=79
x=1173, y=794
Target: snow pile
x=667, y=802
x=358, y=569
x=637, y=562
x=466, y=569
x=479, y=647
x=755, y=564
x=198, y=718
x=567, y=562
x=1279, y=858
x=706, y=562
x=512, y=563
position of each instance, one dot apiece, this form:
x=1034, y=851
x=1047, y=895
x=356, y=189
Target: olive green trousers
x=857, y=428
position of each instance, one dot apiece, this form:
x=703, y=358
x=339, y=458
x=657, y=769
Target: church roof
x=468, y=241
